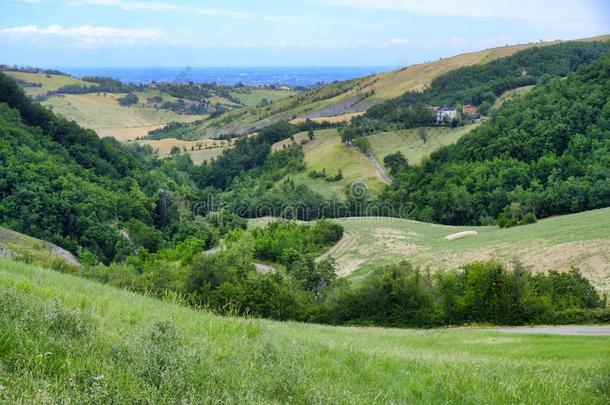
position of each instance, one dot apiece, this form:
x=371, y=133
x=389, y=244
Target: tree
x=310, y=134
x=128, y=99
x=362, y=144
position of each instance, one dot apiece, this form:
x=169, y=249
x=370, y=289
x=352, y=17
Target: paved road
x=560, y=330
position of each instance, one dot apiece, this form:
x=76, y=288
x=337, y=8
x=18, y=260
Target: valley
x=439, y=233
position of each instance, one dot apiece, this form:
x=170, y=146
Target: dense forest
x=546, y=153
x=478, y=85
x=61, y=183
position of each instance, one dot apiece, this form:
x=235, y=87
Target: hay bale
x=460, y=235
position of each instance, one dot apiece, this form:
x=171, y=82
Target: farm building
x=469, y=109
x=445, y=113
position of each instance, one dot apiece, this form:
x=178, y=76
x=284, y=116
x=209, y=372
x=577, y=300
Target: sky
x=105, y=33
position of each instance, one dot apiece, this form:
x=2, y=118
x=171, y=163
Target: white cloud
x=87, y=36
x=158, y=6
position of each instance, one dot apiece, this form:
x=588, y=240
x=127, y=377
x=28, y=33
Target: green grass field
x=48, y=82
x=410, y=142
x=64, y=339
x=581, y=240
x=327, y=152
x=253, y=97
x=512, y=94
x=102, y=113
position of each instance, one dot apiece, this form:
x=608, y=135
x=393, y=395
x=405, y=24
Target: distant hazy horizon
x=253, y=76
x=279, y=33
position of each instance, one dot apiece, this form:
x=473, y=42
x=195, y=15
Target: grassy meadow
x=199, y=151
x=581, y=240
x=47, y=82
x=410, y=142
x=512, y=94
x=254, y=97
x=327, y=152
x=102, y=113
x=65, y=339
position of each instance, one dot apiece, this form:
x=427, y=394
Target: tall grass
x=68, y=340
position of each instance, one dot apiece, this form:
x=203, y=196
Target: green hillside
x=327, y=152
x=102, y=113
x=66, y=339
x=253, y=97
x=544, y=153
x=415, y=143
x=581, y=240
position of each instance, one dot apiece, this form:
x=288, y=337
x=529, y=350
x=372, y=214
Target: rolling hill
x=352, y=96
x=416, y=143
x=47, y=82
x=67, y=339
x=581, y=240
x=102, y=113
x=327, y=153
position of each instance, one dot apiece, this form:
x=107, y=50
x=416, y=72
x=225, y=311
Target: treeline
x=30, y=69
x=249, y=153
x=547, y=153
x=479, y=85
x=296, y=287
x=101, y=85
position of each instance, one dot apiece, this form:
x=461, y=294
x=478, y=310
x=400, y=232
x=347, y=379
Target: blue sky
x=55, y=33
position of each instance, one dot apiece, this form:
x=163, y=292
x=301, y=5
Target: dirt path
x=264, y=268
x=382, y=173
x=560, y=330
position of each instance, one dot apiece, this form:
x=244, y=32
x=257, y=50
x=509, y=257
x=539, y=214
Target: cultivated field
x=48, y=82
x=66, y=339
x=417, y=143
x=327, y=152
x=102, y=113
x=581, y=240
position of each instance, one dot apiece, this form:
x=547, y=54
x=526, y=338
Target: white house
x=448, y=112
